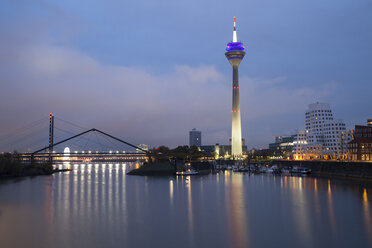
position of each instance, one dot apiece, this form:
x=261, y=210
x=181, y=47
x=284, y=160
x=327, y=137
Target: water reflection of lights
x=227, y=176
x=75, y=168
x=301, y=212
x=64, y=165
x=89, y=168
x=171, y=191
x=367, y=215
x=66, y=195
x=96, y=193
x=110, y=189
x=285, y=182
x=237, y=216
x=316, y=200
x=88, y=185
x=329, y=187
x=110, y=172
x=189, y=209
x=234, y=200
x=331, y=210
x=116, y=198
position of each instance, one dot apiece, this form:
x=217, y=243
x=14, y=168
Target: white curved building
x=316, y=115
x=325, y=136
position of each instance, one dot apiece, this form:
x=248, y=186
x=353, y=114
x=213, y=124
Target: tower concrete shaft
x=236, y=129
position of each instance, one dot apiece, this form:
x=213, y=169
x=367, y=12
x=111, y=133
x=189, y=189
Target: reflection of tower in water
x=331, y=213
x=367, y=215
x=236, y=209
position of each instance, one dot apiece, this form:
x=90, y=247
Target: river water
x=98, y=205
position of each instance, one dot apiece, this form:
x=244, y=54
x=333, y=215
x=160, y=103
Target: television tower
x=235, y=53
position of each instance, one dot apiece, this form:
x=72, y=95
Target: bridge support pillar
x=51, y=136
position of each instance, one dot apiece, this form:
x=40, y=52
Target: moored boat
x=188, y=172
x=300, y=170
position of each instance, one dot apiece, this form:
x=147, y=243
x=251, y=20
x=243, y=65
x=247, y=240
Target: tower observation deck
x=235, y=53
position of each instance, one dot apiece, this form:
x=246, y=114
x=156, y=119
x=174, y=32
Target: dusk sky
x=150, y=71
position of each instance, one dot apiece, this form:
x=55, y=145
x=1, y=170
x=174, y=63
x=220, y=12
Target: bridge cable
x=22, y=139
x=72, y=124
x=25, y=127
x=85, y=132
x=20, y=131
x=114, y=145
x=97, y=137
x=82, y=138
x=24, y=147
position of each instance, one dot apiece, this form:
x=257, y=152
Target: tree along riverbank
x=12, y=167
x=165, y=161
x=155, y=168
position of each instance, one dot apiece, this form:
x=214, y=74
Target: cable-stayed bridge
x=53, y=138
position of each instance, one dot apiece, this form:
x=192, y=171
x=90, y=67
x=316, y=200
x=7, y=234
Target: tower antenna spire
x=235, y=37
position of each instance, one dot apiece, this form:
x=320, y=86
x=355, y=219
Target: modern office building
x=360, y=148
x=235, y=53
x=324, y=136
x=283, y=147
x=346, y=137
x=334, y=134
x=316, y=115
x=299, y=144
x=282, y=141
x=195, y=138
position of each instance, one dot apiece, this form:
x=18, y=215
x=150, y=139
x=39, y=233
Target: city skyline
x=135, y=124
x=83, y=65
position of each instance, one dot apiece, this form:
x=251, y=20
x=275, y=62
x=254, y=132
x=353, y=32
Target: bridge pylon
x=51, y=136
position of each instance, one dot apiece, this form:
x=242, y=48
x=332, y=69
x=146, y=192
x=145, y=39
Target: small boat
x=188, y=172
x=275, y=169
x=285, y=171
x=305, y=171
x=300, y=170
x=243, y=168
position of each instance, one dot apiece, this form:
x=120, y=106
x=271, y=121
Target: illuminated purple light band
x=235, y=46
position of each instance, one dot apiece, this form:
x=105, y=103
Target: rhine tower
x=235, y=53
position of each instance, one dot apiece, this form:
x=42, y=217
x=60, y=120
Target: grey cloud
x=132, y=102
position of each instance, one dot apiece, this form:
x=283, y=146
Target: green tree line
x=12, y=166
